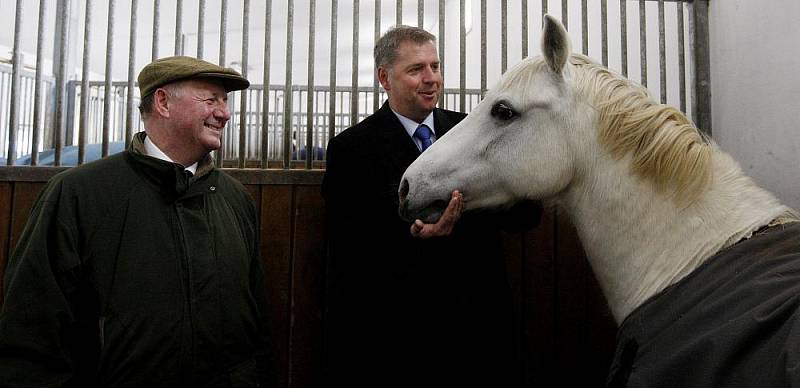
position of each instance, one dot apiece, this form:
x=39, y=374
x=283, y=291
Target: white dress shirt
x=151, y=149
x=411, y=127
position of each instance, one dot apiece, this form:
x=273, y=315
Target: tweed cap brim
x=178, y=68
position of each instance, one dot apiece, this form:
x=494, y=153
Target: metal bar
x=201, y=21
x=156, y=25
x=61, y=81
x=354, y=79
x=662, y=52
x=108, y=76
x=544, y=8
x=524, y=6
x=243, y=93
x=643, y=41
x=223, y=31
x=13, y=122
x=623, y=26
x=25, y=109
x=37, y=94
x=441, y=48
x=399, y=13
x=503, y=36
x=375, y=90
x=421, y=13
x=462, y=44
x=83, y=123
x=332, y=91
x=701, y=100
x=131, y=75
x=69, y=127
x=483, y=48
x=287, y=88
x=310, y=97
x=681, y=59
x=178, y=26
x=265, y=96
x=565, y=14
x=584, y=28
x=604, y=30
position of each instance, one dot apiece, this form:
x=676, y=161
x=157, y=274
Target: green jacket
x=128, y=273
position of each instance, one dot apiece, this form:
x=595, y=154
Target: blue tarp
x=69, y=155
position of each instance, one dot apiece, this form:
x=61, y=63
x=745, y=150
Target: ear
x=161, y=102
x=555, y=44
x=383, y=78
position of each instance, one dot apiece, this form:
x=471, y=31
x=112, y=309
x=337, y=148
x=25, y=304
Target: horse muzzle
x=410, y=210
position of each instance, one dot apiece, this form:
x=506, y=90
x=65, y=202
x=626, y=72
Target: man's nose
x=429, y=75
x=222, y=112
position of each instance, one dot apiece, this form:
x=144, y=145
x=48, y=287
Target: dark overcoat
x=404, y=311
x=131, y=274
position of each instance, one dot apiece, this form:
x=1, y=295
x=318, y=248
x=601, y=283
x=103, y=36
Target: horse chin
x=428, y=214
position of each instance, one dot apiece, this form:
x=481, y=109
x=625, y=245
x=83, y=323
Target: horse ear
x=555, y=44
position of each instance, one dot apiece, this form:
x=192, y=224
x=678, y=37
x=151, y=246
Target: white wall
x=755, y=89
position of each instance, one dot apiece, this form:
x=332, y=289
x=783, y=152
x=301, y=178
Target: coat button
x=213, y=188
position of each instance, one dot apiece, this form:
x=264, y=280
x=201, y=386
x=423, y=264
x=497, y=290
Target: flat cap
x=171, y=69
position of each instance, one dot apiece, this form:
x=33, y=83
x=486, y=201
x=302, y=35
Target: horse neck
x=637, y=239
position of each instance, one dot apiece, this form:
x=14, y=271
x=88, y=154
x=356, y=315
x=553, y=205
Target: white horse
x=652, y=199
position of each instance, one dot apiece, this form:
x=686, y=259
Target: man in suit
x=411, y=304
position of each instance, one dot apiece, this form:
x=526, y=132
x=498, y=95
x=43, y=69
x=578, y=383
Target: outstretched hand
x=444, y=226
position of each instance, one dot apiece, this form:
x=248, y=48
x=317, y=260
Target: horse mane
x=665, y=146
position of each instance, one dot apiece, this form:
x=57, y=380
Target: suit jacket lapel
x=400, y=149
x=441, y=123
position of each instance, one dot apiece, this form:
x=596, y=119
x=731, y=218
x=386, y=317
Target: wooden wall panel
x=5, y=222
x=276, y=246
x=515, y=261
x=307, y=288
x=25, y=194
x=571, y=326
x=539, y=331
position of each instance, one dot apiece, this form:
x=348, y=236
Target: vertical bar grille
x=107, y=87
x=284, y=121
x=15, y=80
x=38, y=93
x=242, y=151
x=131, y=74
x=156, y=25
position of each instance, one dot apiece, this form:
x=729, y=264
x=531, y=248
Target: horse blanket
x=733, y=322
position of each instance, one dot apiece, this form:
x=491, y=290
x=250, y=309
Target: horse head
x=518, y=143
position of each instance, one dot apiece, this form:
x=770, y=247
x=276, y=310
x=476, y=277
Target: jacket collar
x=170, y=178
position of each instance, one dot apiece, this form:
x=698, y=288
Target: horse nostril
x=403, y=189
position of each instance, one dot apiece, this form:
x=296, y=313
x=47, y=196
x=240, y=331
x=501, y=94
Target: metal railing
x=275, y=128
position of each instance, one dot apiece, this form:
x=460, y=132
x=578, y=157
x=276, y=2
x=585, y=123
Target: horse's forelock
x=665, y=147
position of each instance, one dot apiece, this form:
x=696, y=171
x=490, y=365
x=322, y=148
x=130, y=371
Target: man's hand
x=446, y=222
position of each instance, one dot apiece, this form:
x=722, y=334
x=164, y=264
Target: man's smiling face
x=414, y=81
x=201, y=112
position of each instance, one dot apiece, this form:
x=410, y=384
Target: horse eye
x=503, y=112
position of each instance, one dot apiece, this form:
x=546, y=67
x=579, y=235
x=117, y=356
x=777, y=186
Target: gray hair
x=175, y=89
x=386, y=47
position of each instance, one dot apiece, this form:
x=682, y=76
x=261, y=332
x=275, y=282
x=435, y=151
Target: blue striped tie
x=423, y=133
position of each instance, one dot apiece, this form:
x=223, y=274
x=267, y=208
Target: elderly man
x=412, y=304
x=142, y=269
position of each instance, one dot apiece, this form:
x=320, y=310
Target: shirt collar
x=152, y=150
x=411, y=125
